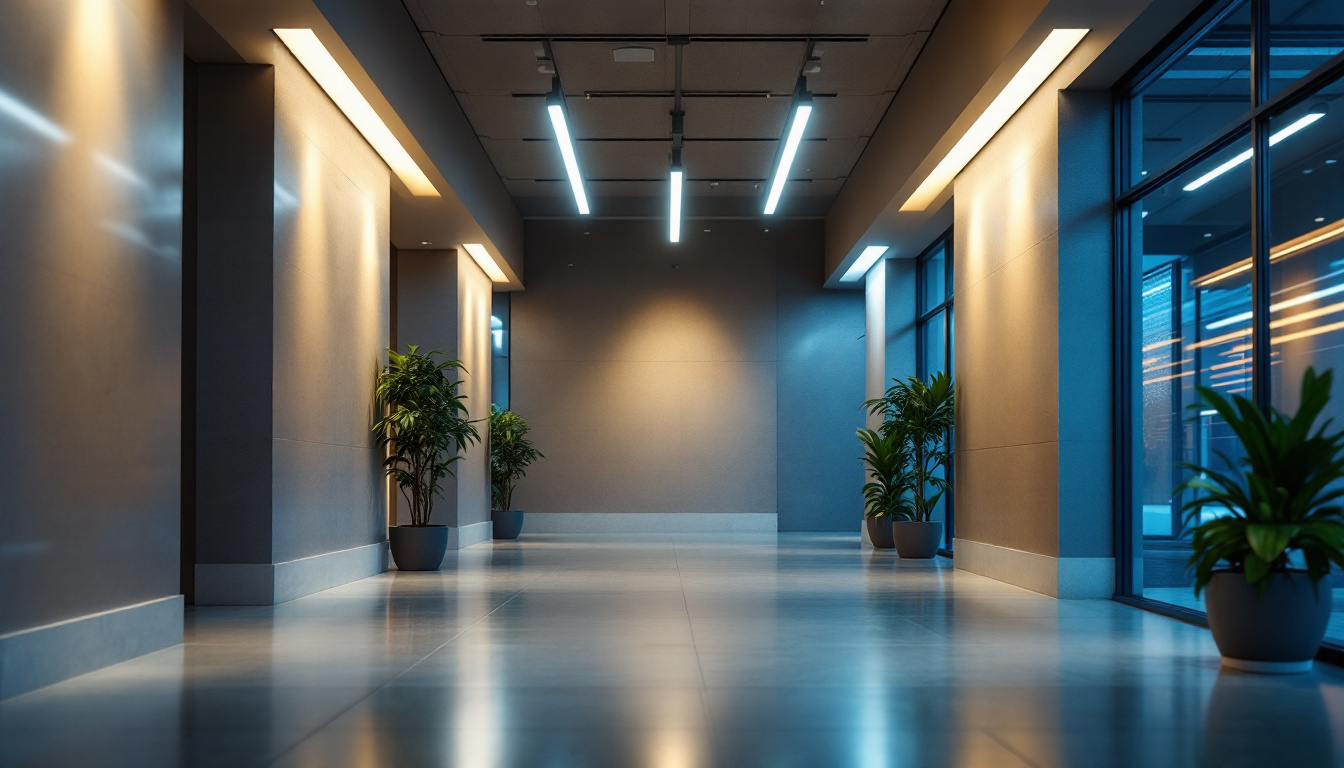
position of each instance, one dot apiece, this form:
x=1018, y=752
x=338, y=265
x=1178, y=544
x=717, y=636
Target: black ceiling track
x=670, y=94
x=674, y=39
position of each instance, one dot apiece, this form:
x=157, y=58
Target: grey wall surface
x=712, y=376
x=90, y=301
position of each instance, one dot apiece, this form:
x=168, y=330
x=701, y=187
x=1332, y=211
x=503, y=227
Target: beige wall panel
x=473, y=349
x=1007, y=349
x=649, y=436
x=331, y=320
x=1008, y=497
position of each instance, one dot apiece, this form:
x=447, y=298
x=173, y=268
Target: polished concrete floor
x=678, y=652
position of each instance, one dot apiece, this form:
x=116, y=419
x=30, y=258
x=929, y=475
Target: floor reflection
x=680, y=652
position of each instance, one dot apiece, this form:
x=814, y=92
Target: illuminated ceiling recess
x=865, y=262
x=486, y=262
x=802, y=110
x=555, y=107
x=319, y=62
x=1051, y=53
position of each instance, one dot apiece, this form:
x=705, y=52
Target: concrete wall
x=331, y=315
x=292, y=293
x=90, y=296
x=459, y=327
x=1033, y=351
x=707, y=385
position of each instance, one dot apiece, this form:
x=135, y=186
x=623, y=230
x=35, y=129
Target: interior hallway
x=679, y=652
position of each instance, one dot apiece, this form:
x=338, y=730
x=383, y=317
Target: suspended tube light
x=555, y=107
x=802, y=110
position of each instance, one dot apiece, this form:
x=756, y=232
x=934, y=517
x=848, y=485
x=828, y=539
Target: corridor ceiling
x=741, y=60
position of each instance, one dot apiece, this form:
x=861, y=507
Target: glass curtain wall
x=933, y=345
x=1231, y=174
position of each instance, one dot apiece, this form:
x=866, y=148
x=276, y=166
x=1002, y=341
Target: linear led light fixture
x=555, y=107
x=802, y=110
x=486, y=262
x=1044, y=61
x=315, y=58
x=864, y=263
x=1274, y=138
x=674, y=216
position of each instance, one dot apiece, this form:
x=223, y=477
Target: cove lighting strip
x=864, y=263
x=802, y=110
x=1274, y=138
x=315, y=58
x=486, y=262
x=557, y=113
x=1045, y=60
x=674, y=216
x=1313, y=238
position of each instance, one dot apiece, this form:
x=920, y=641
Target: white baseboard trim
x=471, y=535
x=650, y=522
x=1068, y=578
x=37, y=657
x=271, y=584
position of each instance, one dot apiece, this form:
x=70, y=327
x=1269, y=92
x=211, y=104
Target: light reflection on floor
x=680, y=652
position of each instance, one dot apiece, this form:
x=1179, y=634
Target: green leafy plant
x=924, y=413
x=426, y=426
x=1282, y=497
x=890, y=480
x=510, y=455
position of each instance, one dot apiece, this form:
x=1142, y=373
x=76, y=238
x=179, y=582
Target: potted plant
x=424, y=430
x=1267, y=529
x=886, y=495
x=924, y=413
x=510, y=455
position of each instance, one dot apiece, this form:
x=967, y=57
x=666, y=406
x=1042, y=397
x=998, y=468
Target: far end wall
x=712, y=377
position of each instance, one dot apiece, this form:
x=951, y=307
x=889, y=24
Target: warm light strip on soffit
x=1047, y=57
x=486, y=262
x=864, y=263
x=315, y=58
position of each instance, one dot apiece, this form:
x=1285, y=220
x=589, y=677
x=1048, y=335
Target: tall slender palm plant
x=925, y=414
x=425, y=426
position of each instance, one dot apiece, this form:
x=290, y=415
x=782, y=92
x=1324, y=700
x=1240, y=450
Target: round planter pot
x=418, y=548
x=507, y=525
x=879, y=532
x=917, y=541
x=1274, y=633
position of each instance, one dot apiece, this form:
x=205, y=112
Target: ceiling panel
x=601, y=189
x=489, y=68
x=858, y=68
x=847, y=117
x=588, y=67
x=529, y=188
x=718, y=17
x=813, y=188
x=728, y=159
x=476, y=17
x=907, y=60
x=620, y=118
x=752, y=66
x=728, y=118
x=506, y=117
x=877, y=17
x=623, y=159
x=824, y=159
x=601, y=17
x=515, y=159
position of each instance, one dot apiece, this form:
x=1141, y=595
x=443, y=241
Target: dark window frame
x=922, y=317
x=1255, y=123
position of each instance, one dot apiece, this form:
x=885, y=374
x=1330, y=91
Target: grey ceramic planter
x=1276, y=633
x=507, y=525
x=879, y=532
x=917, y=541
x=418, y=548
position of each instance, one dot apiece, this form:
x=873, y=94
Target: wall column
x=443, y=303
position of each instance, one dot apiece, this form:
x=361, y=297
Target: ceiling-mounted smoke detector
x=632, y=55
